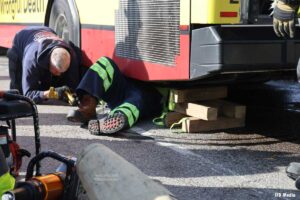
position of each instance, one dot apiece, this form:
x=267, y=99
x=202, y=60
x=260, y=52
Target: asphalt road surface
x=245, y=163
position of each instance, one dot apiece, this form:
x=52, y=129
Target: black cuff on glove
x=283, y=15
x=61, y=91
x=291, y=2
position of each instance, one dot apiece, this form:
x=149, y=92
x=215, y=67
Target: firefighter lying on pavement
x=129, y=101
x=40, y=59
x=284, y=20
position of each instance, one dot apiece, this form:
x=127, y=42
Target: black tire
x=297, y=183
x=62, y=21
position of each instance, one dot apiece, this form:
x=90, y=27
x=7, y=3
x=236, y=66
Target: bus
x=163, y=40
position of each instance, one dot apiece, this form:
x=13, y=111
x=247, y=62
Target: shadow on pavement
x=233, y=193
x=47, y=119
x=158, y=161
x=161, y=161
x=273, y=108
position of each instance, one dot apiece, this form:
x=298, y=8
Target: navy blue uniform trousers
x=135, y=99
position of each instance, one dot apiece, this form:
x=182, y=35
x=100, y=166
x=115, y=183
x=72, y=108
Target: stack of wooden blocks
x=205, y=110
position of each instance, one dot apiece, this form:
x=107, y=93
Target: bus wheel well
x=63, y=18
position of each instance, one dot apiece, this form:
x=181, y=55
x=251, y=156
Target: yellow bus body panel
x=102, y=12
x=209, y=11
x=23, y=11
x=185, y=12
x=97, y=12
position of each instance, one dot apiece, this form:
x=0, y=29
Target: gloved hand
x=57, y=93
x=61, y=92
x=284, y=18
x=64, y=93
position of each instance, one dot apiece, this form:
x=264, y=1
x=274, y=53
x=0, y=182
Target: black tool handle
x=48, y=154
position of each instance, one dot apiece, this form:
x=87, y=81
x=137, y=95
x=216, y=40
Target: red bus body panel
x=97, y=43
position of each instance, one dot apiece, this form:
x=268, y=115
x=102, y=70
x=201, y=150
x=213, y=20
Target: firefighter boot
x=293, y=170
x=108, y=125
x=85, y=112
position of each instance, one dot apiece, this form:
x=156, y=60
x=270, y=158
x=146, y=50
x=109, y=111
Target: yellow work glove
x=58, y=92
x=52, y=93
x=284, y=18
x=63, y=93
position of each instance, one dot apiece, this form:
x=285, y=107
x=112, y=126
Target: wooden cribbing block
x=173, y=117
x=199, y=94
x=227, y=109
x=195, y=125
x=197, y=110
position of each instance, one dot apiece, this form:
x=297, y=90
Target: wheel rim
x=61, y=27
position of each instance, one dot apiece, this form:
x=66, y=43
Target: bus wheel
x=62, y=21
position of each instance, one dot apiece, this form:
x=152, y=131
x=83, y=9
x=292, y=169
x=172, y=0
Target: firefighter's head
x=60, y=60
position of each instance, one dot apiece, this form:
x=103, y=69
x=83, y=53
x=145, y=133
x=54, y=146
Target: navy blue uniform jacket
x=33, y=46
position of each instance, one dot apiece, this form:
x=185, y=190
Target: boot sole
x=107, y=126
